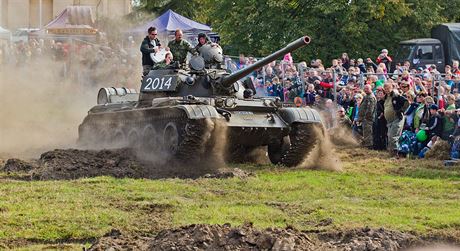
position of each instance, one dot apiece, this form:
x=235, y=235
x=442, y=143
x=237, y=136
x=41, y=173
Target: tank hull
x=188, y=132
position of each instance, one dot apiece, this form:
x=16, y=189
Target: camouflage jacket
x=180, y=49
x=367, y=108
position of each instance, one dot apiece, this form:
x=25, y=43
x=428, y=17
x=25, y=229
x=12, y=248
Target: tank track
x=303, y=138
x=194, y=134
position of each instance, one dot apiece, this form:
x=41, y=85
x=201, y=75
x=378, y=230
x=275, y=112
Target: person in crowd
x=384, y=58
x=394, y=107
x=357, y=126
x=366, y=115
x=361, y=65
x=379, y=128
x=342, y=119
x=410, y=112
x=150, y=44
x=310, y=95
x=434, y=127
x=329, y=113
x=345, y=61
x=179, y=47
x=450, y=117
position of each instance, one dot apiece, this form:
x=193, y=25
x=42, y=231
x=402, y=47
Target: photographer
x=384, y=58
x=370, y=64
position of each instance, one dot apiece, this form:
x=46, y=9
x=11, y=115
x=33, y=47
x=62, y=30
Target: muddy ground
x=246, y=237
x=120, y=163
x=72, y=164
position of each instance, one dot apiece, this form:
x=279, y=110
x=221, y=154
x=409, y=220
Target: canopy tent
x=73, y=22
x=5, y=34
x=169, y=22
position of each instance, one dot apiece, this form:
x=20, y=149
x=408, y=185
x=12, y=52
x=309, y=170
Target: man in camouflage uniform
x=179, y=48
x=343, y=120
x=366, y=115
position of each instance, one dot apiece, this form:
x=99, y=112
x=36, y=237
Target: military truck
x=179, y=114
x=442, y=48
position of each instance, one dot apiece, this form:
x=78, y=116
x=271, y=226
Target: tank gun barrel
x=230, y=79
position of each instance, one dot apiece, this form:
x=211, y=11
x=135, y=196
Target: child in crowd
x=310, y=95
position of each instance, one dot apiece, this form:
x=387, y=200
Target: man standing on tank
x=150, y=44
x=179, y=48
x=202, y=40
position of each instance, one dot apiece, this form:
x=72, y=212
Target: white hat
x=384, y=51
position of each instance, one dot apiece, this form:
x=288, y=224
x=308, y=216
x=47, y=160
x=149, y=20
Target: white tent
x=5, y=34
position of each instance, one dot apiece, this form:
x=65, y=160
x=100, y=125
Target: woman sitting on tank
x=168, y=63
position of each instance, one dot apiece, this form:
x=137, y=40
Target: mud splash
x=323, y=156
x=120, y=163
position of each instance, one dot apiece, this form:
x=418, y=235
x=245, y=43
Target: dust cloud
x=323, y=156
x=39, y=111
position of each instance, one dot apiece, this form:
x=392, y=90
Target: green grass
x=403, y=195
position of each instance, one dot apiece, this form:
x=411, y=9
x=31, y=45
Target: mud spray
x=209, y=155
x=323, y=156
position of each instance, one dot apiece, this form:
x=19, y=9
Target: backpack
x=407, y=142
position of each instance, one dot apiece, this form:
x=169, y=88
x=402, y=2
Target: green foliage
x=361, y=28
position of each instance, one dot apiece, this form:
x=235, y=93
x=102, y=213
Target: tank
x=180, y=113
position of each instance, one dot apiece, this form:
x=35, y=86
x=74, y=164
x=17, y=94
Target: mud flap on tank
x=200, y=111
x=300, y=115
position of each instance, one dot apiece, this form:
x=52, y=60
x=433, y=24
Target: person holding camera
x=384, y=58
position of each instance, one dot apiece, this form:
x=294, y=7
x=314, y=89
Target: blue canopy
x=169, y=22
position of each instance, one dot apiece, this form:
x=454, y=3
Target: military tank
x=180, y=113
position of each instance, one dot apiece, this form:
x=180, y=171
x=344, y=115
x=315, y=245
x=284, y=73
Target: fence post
x=334, y=81
x=302, y=80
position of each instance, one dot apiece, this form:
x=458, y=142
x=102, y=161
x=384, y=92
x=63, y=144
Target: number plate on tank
x=156, y=84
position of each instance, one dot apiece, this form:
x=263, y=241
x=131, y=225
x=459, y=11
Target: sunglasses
x=404, y=86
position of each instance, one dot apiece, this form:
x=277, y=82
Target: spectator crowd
x=85, y=63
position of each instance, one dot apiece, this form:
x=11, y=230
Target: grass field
x=373, y=190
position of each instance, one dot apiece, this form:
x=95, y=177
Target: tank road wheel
x=118, y=139
x=277, y=149
x=133, y=138
x=151, y=142
x=171, y=138
x=303, y=138
x=102, y=139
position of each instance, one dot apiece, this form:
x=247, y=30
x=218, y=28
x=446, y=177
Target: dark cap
x=434, y=107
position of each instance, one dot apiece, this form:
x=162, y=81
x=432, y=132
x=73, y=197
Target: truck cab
x=421, y=52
